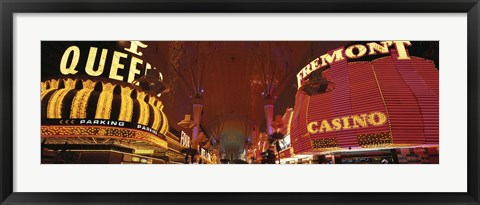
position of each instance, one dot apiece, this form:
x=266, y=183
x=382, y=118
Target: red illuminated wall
x=405, y=90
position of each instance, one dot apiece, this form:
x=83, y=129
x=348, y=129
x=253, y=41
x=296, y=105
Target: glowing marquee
x=184, y=139
x=73, y=52
x=353, y=52
x=348, y=122
x=55, y=131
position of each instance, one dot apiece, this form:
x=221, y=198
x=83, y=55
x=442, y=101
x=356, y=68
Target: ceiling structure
x=231, y=75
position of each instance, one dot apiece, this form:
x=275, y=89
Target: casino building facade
x=99, y=116
x=379, y=111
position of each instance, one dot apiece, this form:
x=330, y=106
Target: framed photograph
x=187, y=102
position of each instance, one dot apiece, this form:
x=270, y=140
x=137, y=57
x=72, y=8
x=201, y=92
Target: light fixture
x=316, y=84
x=187, y=122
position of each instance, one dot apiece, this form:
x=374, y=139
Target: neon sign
x=69, y=67
x=348, y=122
x=184, y=139
x=353, y=52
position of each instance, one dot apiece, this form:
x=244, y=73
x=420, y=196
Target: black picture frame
x=10, y=7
